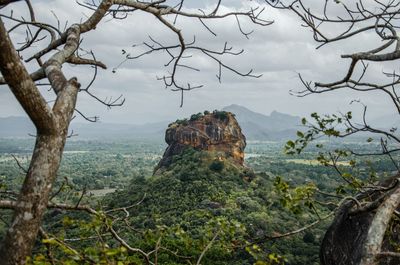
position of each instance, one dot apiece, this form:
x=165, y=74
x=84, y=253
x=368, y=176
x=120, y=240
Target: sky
x=279, y=52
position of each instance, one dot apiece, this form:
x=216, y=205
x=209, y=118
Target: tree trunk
x=357, y=236
x=33, y=199
x=52, y=129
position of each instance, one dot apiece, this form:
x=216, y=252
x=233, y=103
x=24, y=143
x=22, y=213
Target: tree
x=365, y=215
x=52, y=119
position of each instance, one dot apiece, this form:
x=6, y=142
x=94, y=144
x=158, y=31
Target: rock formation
x=217, y=131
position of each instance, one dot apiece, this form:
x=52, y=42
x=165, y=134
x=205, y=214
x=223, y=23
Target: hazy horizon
x=156, y=121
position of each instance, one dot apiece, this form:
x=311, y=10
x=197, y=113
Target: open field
x=314, y=162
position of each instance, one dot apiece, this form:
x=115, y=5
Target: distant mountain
x=22, y=127
x=100, y=130
x=257, y=126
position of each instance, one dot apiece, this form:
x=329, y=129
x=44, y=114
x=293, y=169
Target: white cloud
x=279, y=52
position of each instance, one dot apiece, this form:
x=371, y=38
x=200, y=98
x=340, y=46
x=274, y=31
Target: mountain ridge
x=256, y=126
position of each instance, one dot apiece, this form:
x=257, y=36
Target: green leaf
x=291, y=144
x=300, y=134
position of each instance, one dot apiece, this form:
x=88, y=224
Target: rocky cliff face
x=217, y=131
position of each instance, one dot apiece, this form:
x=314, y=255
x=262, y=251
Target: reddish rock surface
x=218, y=131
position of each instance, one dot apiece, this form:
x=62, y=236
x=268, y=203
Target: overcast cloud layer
x=279, y=52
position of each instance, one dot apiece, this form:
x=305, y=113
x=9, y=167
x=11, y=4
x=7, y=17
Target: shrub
x=217, y=166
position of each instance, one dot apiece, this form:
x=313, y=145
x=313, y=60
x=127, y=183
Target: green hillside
x=200, y=197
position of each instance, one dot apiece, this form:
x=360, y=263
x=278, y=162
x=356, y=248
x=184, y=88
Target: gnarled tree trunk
x=52, y=128
x=360, y=236
x=33, y=198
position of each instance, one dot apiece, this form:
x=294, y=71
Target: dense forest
x=183, y=208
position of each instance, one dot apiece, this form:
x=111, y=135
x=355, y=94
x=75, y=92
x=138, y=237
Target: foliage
x=261, y=203
x=196, y=117
x=221, y=115
x=217, y=165
x=192, y=193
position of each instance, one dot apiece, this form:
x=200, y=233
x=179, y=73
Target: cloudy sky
x=279, y=52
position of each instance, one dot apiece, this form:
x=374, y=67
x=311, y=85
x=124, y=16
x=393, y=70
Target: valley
x=116, y=173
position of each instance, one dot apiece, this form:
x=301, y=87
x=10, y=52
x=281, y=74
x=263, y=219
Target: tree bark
x=378, y=227
x=22, y=85
x=33, y=199
x=358, y=235
x=52, y=129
